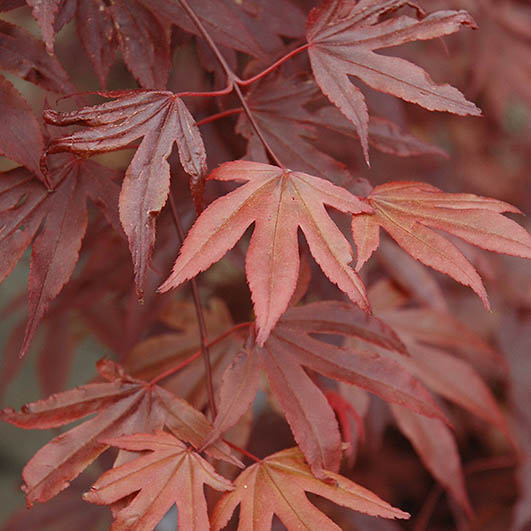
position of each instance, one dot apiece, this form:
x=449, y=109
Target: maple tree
x=258, y=145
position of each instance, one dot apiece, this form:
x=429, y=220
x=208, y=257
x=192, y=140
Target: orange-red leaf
x=409, y=211
x=170, y=473
x=278, y=201
x=123, y=405
x=277, y=485
x=291, y=349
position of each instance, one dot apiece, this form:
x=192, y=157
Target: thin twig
x=195, y=355
x=283, y=59
x=242, y=451
x=218, y=116
x=233, y=79
x=200, y=316
x=175, y=369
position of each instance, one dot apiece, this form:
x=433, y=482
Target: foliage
x=220, y=116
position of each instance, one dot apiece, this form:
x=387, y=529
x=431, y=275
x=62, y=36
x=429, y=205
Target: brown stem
x=233, y=79
x=200, y=316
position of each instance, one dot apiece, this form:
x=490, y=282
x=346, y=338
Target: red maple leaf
x=123, y=405
x=343, y=36
x=26, y=205
x=26, y=57
x=44, y=12
x=251, y=26
x=130, y=25
x=171, y=473
x=278, y=201
x=162, y=119
x=277, y=485
x=21, y=139
x=409, y=211
x=291, y=348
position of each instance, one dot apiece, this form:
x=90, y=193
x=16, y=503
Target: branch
x=233, y=79
x=200, y=316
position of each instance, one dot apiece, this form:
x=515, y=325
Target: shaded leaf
x=384, y=135
x=426, y=326
x=436, y=446
x=99, y=37
x=162, y=119
x=26, y=205
x=457, y=381
x=237, y=392
x=171, y=473
x=21, y=138
x=343, y=36
x=65, y=512
x=277, y=104
x=44, y=12
x=277, y=485
x=408, y=211
x=130, y=25
x=245, y=26
x=123, y=406
x=26, y=57
x=278, y=202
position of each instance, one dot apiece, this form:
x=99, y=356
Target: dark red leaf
x=436, y=446
x=99, y=37
x=26, y=57
x=161, y=119
x=343, y=37
x=25, y=205
x=44, y=12
x=21, y=138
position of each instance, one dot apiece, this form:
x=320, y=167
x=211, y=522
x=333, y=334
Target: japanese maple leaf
x=291, y=348
x=44, y=12
x=172, y=473
x=26, y=57
x=162, y=119
x=123, y=405
x=21, y=138
x=160, y=352
x=436, y=446
x=278, y=485
x=278, y=106
x=343, y=36
x=278, y=201
x=384, y=135
x=409, y=211
x=246, y=26
x=26, y=205
x=130, y=25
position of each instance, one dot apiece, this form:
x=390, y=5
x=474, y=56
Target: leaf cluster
x=233, y=143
